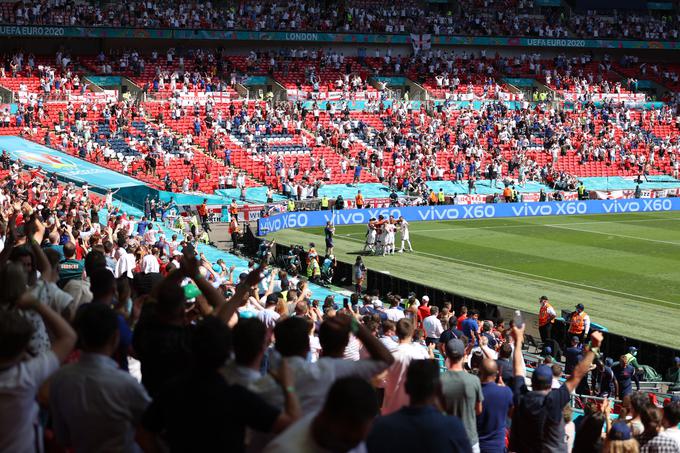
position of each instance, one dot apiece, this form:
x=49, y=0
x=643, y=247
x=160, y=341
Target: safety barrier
x=461, y=212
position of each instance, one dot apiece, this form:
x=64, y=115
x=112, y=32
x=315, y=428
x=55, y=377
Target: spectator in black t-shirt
x=162, y=338
x=538, y=424
x=199, y=411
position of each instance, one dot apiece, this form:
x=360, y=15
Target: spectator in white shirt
x=314, y=379
x=395, y=393
x=150, y=263
x=125, y=264
x=393, y=313
x=433, y=327
x=20, y=379
x=269, y=316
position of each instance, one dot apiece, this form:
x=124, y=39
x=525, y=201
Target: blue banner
x=65, y=166
x=462, y=212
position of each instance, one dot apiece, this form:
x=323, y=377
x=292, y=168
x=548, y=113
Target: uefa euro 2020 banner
x=321, y=37
x=465, y=212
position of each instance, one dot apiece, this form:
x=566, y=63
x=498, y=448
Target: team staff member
x=546, y=319
x=329, y=232
x=579, y=323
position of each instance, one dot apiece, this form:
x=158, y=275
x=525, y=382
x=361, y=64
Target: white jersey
x=389, y=233
x=404, y=230
x=370, y=236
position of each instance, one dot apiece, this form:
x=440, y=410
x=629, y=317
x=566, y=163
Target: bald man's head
x=488, y=370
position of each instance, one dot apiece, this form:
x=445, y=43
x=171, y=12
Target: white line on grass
x=566, y=226
x=540, y=277
x=613, y=234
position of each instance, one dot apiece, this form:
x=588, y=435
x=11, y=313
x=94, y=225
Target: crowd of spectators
x=470, y=17
x=391, y=142
x=115, y=338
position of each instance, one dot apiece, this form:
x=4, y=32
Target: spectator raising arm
x=291, y=406
x=63, y=336
x=584, y=365
x=517, y=358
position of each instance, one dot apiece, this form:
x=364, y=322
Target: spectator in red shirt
x=423, y=309
x=462, y=317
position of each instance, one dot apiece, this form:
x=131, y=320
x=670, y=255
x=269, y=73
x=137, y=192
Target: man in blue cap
x=538, y=424
x=605, y=382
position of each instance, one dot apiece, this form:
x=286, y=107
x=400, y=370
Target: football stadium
x=350, y=227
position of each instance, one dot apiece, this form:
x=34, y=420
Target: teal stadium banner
x=65, y=166
x=325, y=38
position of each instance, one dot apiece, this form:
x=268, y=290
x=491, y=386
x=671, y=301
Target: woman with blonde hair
x=620, y=440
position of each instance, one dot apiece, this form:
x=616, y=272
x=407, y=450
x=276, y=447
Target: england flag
x=421, y=42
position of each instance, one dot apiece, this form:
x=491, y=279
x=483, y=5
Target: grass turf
x=625, y=268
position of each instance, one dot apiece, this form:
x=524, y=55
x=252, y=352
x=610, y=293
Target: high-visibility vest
x=578, y=323
x=359, y=200
x=581, y=190
x=433, y=197
x=441, y=196
x=233, y=209
x=291, y=205
x=324, y=202
x=544, y=316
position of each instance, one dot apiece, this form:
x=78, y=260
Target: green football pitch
x=625, y=268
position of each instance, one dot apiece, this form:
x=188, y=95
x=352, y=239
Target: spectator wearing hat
x=625, y=375
x=579, y=323
x=631, y=358
x=573, y=355
x=538, y=423
x=546, y=319
x=462, y=391
x=620, y=439
x=605, y=383
x=424, y=309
